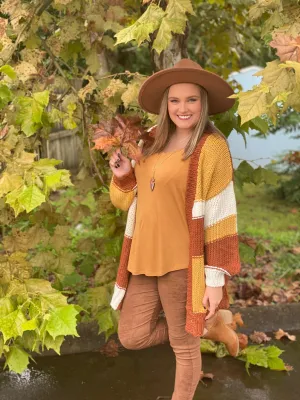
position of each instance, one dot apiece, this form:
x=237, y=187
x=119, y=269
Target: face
x=184, y=105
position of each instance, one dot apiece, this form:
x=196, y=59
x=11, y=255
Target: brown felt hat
x=186, y=71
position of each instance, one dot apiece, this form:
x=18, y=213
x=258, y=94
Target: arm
x=221, y=247
x=122, y=190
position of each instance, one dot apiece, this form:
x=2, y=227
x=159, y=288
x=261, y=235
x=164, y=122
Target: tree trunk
x=174, y=53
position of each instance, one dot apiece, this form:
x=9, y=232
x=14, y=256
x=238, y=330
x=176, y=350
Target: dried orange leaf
x=110, y=349
x=243, y=340
x=281, y=333
x=259, y=337
x=120, y=131
x=238, y=319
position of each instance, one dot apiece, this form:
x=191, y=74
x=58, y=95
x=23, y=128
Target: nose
x=183, y=107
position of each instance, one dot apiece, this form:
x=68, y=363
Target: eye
x=193, y=100
x=173, y=101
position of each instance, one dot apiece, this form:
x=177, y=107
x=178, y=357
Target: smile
x=184, y=117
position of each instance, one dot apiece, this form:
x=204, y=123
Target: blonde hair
x=166, y=127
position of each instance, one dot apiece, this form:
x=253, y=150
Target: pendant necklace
x=152, y=180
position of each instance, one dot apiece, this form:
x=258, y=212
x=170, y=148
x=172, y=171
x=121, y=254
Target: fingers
x=115, y=159
x=205, y=301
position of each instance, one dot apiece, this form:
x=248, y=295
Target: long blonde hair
x=166, y=127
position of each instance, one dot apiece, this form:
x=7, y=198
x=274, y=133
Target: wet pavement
x=145, y=374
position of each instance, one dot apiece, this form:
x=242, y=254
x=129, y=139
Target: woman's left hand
x=212, y=298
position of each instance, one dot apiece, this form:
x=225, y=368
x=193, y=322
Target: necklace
x=152, y=180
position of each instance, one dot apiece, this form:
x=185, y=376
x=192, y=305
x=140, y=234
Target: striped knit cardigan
x=212, y=222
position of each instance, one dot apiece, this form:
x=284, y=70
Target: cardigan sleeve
x=122, y=190
x=221, y=246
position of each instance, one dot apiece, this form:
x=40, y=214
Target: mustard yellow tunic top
x=160, y=242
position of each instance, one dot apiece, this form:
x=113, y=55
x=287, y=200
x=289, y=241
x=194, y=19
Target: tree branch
x=85, y=133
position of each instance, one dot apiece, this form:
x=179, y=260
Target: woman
x=180, y=244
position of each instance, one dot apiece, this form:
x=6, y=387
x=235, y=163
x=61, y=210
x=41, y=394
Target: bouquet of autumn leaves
x=119, y=132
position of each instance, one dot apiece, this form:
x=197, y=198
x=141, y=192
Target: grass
x=262, y=216
x=273, y=226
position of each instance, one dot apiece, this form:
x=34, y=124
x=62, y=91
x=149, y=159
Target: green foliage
x=279, y=87
x=32, y=315
x=267, y=357
x=289, y=189
x=259, y=355
x=172, y=20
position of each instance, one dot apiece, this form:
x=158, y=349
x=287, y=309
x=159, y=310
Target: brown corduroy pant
x=141, y=327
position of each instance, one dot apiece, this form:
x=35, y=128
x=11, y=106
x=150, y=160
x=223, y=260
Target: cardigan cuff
x=127, y=182
x=214, y=277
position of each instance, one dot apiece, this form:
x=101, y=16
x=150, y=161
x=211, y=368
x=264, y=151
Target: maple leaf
x=243, y=340
x=110, y=349
x=236, y=320
x=288, y=48
x=288, y=367
x=259, y=337
x=118, y=132
x=281, y=333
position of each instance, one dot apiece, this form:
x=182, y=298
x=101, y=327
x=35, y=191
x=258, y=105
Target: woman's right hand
x=119, y=164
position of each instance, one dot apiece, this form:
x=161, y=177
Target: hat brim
x=152, y=90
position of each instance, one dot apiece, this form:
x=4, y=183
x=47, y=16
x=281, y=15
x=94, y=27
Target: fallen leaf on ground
x=288, y=367
x=236, y=320
x=110, y=349
x=259, y=337
x=207, y=375
x=281, y=333
x=295, y=250
x=243, y=340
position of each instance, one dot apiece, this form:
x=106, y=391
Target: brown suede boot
x=218, y=331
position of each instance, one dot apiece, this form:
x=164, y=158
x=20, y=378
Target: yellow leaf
x=9, y=182
x=141, y=29
x=31, y=198
x=129, y=97
x=252, y=104
x=296, y=66
x=164, y=34
x=88, y=89
x=25, y=71
x=278, y=79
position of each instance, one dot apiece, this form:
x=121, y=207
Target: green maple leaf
x=62, y=321
x=142, y=28
x=11, y=325
x=30, y=111
x=5, y=95
x=105, y=320
x=30, y=325
x=39, y=286
x=9, y=71
x=54, y=344
x=31, y=198
x=17, y=359
x=52, y=300
x=45, y=165
x=6, y=306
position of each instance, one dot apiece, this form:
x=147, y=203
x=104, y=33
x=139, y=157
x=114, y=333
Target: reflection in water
x=146, y=374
